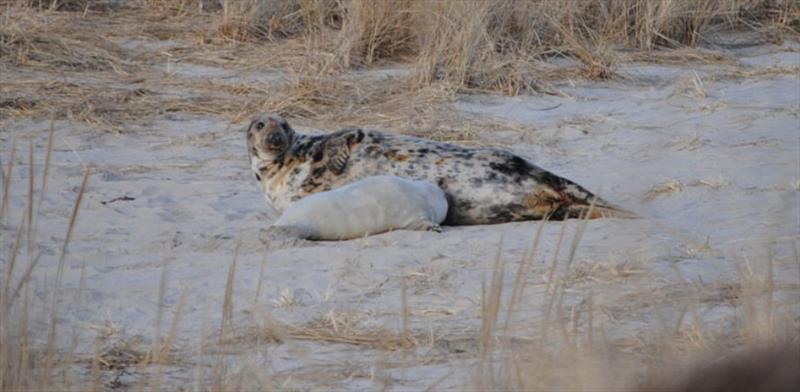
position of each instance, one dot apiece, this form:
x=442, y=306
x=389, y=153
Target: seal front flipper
x=434, y=227
x=333, y=152
x=282, y=237
x=338, y=152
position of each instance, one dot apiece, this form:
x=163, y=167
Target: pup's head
x=268, y=135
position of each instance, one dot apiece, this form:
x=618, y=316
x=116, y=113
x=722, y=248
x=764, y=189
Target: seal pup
x=482, y=185
x=372, y=205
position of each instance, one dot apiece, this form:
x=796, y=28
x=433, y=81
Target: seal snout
x=275, y=139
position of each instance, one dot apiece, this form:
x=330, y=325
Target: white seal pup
x=369, y=206
x=482, y=185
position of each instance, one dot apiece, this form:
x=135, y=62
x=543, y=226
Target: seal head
x=268, y=138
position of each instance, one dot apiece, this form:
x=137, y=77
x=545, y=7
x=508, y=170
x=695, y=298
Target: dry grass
x=675, y=186
x=341, y=327
x=108, y=108
x=496, y=44
x=446, y=47
x=671, y=356
x=24, y=365
x=373, y=31
x=663, y=189
x=54, y=40
x=110, y=100
x=270, y=19
x=332, y=327
x=690, y=86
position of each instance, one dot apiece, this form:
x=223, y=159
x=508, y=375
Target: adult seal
x=482, y=185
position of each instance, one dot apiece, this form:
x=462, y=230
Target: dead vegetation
x=498, y=45
x=345, y=328
x=42, y=40
x=663, y=189
x=444, y=48
x=668, y=357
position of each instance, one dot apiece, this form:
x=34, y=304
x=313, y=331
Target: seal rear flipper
x=583, y=204
x=560, y=198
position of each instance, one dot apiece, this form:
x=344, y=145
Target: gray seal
x=482, y=185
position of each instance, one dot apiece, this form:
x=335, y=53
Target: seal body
x=369, y=206
x=482, y=185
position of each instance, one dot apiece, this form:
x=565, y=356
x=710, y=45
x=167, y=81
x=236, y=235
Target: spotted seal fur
x=482, y=185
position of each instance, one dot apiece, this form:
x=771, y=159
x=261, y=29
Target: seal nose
x=274, y=139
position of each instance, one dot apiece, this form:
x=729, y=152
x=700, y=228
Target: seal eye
x=259, y=125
